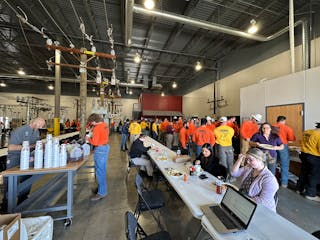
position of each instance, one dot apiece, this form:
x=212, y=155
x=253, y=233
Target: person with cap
x=256, y=180
x=268, y=141
x=202, y=135
x=224, y=149
x=286, y=135
x=210, y=125
x=247, y=129
x=310, y=164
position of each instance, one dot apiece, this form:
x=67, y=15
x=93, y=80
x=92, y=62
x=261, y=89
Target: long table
x=13, y=188
x=265, y=223
x=195, y=192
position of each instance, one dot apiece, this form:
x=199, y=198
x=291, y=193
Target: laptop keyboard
x=223, y=217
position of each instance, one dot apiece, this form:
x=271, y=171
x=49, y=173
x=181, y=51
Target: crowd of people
x=212, y=143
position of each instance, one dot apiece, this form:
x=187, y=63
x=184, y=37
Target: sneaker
x=284, y=185
x=315, y=198
x=96, y=197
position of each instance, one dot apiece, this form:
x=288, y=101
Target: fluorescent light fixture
x=253, y=28
x=162, y=94
x=21, y=72
x=174, y=85
x=198, y=66
x=137, y=58
x=50, y=87
x=3, y=84
x=149, y=4
x=132, y=81
x=130, y=92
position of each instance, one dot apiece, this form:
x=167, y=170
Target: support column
x=83, y=94
x=57, y=93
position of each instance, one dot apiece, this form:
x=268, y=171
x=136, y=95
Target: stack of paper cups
x=48, y=153
x=56, y=153
x=38, y=155
x=24, y=156
x=63, y=155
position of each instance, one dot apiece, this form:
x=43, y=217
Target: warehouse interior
x=201, y=50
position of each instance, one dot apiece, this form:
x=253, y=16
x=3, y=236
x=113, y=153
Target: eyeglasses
x=248, y=159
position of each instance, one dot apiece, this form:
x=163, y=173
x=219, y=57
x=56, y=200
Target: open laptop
x=233, y=214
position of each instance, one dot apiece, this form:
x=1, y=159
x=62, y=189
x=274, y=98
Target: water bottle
x=63, y=155
x=38, y=155
x=56, y=153
x=48, y=154
x=25, y=156
x=86, y=149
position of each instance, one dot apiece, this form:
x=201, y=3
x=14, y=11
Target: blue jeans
x=100, y=157
x=283, y=156
x=123, y=141
x=198, y=150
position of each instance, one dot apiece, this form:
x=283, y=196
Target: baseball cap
x=223, y=119
x=257, y=117
x=208, y=118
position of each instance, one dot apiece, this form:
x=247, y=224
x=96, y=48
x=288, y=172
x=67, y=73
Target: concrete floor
x=105, y=218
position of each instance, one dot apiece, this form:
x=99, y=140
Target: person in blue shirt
x=269, y=142
x=124, y=135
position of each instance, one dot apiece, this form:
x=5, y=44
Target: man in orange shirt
x=247, y=129
x=210, y=125
x=184, y=138
x=99, y=139
x=286, y=135
x=201, y=136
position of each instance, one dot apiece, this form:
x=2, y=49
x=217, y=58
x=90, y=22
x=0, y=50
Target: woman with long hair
x=269, y=142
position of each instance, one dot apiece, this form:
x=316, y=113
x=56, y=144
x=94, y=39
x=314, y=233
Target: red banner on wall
x=155, y=102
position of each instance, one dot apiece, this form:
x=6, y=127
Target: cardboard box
x=10, y=225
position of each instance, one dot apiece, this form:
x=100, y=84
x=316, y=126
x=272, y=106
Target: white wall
x=229, y=87
x=65, y=101
x=301, y=87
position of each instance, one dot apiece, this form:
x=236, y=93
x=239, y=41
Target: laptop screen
x=239, y=206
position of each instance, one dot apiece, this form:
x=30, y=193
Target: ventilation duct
x=155, y=85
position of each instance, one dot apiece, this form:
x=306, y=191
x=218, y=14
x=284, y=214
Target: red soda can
x=218, y=186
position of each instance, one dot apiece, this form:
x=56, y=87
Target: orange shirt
x=203, y=135
x=184, y=137
x=192, y=128
x=248, y=128
x=163, y=126
x=176, y=127
x=100, y=135
x=211, y=127
x=285, y=133
x=235, y=128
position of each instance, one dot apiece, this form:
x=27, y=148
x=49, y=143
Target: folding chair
x=133, y=229
x=130, y=166
x=149, y=200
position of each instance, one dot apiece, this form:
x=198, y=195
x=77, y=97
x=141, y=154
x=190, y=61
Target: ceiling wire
x=65, y=35
x=75, y=12
x=28, y=44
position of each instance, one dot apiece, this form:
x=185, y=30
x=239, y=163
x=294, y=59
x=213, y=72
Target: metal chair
x=133, y=229
x=149, y=200
x=130, y=166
